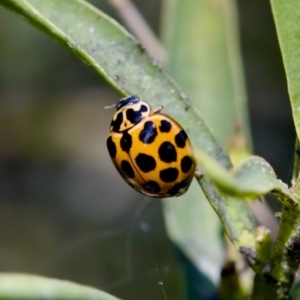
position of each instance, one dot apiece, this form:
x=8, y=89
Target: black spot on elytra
x=111, y=146
x=180, y=139
x=149, y=133
x=144, y=108
x=167, y=152
x=116, y=124
x=186, y=164
x=126, y=142
x=165, y=126
x=145, y=162
x=151, y=186
x=178, y=187
x=127, y=169
x=168, y=175
x=134, y=116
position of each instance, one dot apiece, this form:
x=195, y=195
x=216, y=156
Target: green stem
x=277, y=276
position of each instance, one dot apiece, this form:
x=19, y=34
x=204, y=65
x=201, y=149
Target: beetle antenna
x=141, y=90
x=109, y=106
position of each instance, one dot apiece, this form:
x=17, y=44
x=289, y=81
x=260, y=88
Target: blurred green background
x=65, y=211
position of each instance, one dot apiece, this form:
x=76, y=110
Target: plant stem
x=277, y=276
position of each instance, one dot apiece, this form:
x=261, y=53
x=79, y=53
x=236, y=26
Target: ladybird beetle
x=150, y=150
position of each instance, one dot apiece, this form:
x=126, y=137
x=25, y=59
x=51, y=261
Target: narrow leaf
x=26, y=286
x=287, y=16
x=203, y=55
x=122, y=61
x=252, y=178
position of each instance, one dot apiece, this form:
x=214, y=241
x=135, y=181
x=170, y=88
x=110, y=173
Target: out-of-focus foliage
x=55, y=159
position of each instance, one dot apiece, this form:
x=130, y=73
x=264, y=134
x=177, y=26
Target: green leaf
x=115, y=54
x=103, y=44
x=203, y=55
x=287, y=16
x=252, y=178
x=194, y=226
x=295, y=292
x=25, y=286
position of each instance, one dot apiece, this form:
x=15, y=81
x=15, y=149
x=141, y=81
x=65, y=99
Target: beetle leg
x=157, y=110
x=198, y=174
